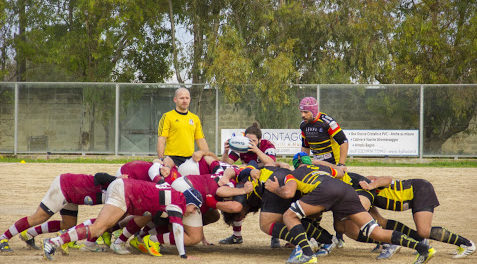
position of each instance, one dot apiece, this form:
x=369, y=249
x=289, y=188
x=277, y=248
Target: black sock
x=280, y=230
x=299, y=238
x=398, y=226
x=441, y=234
x=320, y=234
x=399, y=238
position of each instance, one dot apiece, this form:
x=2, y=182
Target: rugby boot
x=297, y=257
x=49, y=249
x=135, y=243
x=388, y=251
x=152, y=247
x=464, y=251
x=275, y=242
x=119, y=248
x=29, y=240
x=424, y=258
x=233, y=239
x=4, y=246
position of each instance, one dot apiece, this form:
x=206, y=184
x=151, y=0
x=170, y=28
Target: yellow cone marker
x=22, y=161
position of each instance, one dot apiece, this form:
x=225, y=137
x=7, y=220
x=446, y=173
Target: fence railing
x=122, y=118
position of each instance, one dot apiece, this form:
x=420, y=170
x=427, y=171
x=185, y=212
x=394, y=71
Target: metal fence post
x=318, y=96
x=15, y=122
x=116, y=125
x=421, y=122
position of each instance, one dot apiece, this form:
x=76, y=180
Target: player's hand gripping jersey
x=324, y=137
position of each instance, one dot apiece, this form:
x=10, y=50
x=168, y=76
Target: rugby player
x=66, y=192
x=138, y=198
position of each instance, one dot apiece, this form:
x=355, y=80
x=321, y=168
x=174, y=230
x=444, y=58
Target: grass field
x=23, y=187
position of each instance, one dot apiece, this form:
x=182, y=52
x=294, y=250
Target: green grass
x=372, y=162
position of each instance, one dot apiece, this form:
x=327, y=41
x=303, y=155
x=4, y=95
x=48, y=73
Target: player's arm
x=162, y=133
x=305, y=147
x=202, y=144
x=226, y=206
x=376, y=182
x=287, y=191
x=226, y=191
x=161, y=146
x=334, y=168
x=265, y=160
x=340, y=137
x=225, y=155
x=178, y=231
x=175, y=217
x=199, y=154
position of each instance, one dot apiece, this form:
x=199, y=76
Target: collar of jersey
x=180, y=112
x=317, y=117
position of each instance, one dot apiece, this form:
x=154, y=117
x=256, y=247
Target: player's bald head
x=181, y=91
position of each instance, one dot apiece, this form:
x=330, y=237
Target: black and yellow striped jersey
x=395, y=196
x=324, y=137
x=309, y=177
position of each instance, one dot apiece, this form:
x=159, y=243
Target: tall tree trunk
x=20, y=57
x=174, y=48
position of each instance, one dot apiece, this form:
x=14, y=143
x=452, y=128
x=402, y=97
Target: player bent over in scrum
x=420, y=196
x=66, y=192
x=336, y=196
x=135, y=198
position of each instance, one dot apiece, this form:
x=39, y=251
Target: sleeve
x=304, y=142
x=163, y=127
x=340, y=137
x=174, y=213
x=198, y=129
x=234, y=156
x=119, y=173
x=289, y=177
x=178, y=231
x=154, y=170
x=102, y=178
x=271, y=151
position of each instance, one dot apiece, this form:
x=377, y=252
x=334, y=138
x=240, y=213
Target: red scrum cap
x=309, y=104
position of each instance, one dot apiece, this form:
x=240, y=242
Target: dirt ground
x=23, y=187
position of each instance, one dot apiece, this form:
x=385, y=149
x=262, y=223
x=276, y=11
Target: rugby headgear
x=301, y=158
x=194, y=197
x=309, y=104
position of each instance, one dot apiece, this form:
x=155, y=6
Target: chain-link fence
x=122, y=119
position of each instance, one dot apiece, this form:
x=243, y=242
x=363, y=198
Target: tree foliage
x=256, y=49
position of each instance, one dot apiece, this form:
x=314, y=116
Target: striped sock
x=16, y=228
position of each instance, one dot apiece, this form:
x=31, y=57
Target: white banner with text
x=361, y=142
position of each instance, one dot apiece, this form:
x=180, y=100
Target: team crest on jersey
x=321, y=130
x=334, y=125
x=191, y=122
x=88, y=200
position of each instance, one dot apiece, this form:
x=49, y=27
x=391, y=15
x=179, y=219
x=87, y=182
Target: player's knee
x=366, y=231
x=424, y=232
x=295, y=211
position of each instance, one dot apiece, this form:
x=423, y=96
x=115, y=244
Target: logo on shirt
x=191, y=122
x=177, y=120
x=88, y=200
x=321, y=130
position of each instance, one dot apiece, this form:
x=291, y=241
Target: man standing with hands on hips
x=322, y=134
x=178, y=129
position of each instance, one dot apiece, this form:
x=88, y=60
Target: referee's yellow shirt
x=180, y=131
